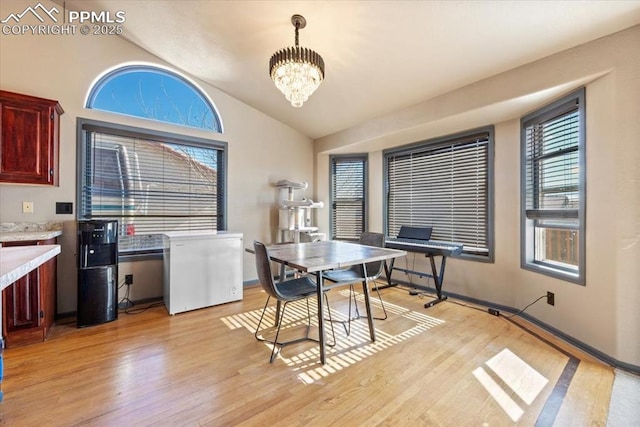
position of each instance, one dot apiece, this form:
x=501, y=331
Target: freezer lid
x=202, y=234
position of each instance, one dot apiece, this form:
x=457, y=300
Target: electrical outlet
x=27, y=207
x=128, y=279
x=551, y=298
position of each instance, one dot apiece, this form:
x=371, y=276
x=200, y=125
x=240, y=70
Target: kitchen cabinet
x=29, y=304
x=29, y=139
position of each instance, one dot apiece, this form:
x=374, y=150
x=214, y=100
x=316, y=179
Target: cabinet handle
x=51, y=172
x=41, y=314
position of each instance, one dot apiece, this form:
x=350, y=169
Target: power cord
x=492, y=311
x=522, y=311
x=413, y=266
x=125, y=302
x=419, y=293
x=468, y=306
x=414, y=291
x=143, y=309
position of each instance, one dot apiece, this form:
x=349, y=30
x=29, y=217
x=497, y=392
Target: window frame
x=443, y=141
x=365, y=182
x=530, y=217
x=88, y=125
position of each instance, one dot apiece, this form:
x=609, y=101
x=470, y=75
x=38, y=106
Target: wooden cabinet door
x=29, y=304
x=48, y=290
x=22, y=304
x=29, y=130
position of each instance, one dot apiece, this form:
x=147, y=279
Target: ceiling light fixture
x=297, y=71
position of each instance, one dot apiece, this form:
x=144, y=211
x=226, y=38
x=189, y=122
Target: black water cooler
x=97, y=272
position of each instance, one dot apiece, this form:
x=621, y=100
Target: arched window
x=151, y=181
x=156, y=94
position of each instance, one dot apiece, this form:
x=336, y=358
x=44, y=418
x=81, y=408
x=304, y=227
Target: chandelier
x=297, y=71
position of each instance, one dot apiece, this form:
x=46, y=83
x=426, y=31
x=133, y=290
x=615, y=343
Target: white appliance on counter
x=201, y=269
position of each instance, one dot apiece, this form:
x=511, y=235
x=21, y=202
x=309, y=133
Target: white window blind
x=445, y=185
x=348, y=207
x=151, y=185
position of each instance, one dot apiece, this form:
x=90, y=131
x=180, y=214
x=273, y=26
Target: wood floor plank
x=443, y=366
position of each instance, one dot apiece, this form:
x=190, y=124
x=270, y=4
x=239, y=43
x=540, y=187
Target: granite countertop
x=27, y=231
x=24, y=236
x=17, y=261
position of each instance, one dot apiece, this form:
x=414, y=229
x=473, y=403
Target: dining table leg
x=367, y=303
x=320, y=283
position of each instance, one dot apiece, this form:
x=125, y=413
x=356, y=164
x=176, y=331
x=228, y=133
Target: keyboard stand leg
x=388, y=269
x=437, y=279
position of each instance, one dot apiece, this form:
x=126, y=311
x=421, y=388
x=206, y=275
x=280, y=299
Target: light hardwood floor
x=448, y=365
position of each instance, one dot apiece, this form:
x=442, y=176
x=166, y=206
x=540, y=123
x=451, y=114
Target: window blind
x=443, y=185
x=552, y=165
x=347, y=197
x=151, y=186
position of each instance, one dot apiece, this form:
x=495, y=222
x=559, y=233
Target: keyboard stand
x=437, y=278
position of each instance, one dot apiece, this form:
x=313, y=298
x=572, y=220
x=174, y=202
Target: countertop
x=24, y=236
x=17, y=261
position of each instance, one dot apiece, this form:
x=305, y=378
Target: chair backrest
x=374, y=269
x=263, y=266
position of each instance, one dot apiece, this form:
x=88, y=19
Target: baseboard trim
x=558, y=333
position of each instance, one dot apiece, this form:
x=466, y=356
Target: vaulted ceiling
x=380, y=56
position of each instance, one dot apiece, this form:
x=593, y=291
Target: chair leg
x=352, y=297
x=375, y=285
x=264, y=310
x=333, y=332
x=280, y=315
x=275, y=340
x=345, y=323
x=306, y=334
x=358, y=316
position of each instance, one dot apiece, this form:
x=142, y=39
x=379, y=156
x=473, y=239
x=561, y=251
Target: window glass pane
x=154, y=94
x=445, y=186
x=557, y=246
x=151, y=186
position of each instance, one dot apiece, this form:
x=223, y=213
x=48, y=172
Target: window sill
x=554, y=272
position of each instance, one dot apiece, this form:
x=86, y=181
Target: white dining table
x=318, y=257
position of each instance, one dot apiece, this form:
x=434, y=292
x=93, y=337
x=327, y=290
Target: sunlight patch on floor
x=514, y=374
x=401, y=325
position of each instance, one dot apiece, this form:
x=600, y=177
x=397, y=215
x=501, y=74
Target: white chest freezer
x=201, y=269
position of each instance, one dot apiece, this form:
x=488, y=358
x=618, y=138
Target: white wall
x=603, y=314
x=63, y=67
